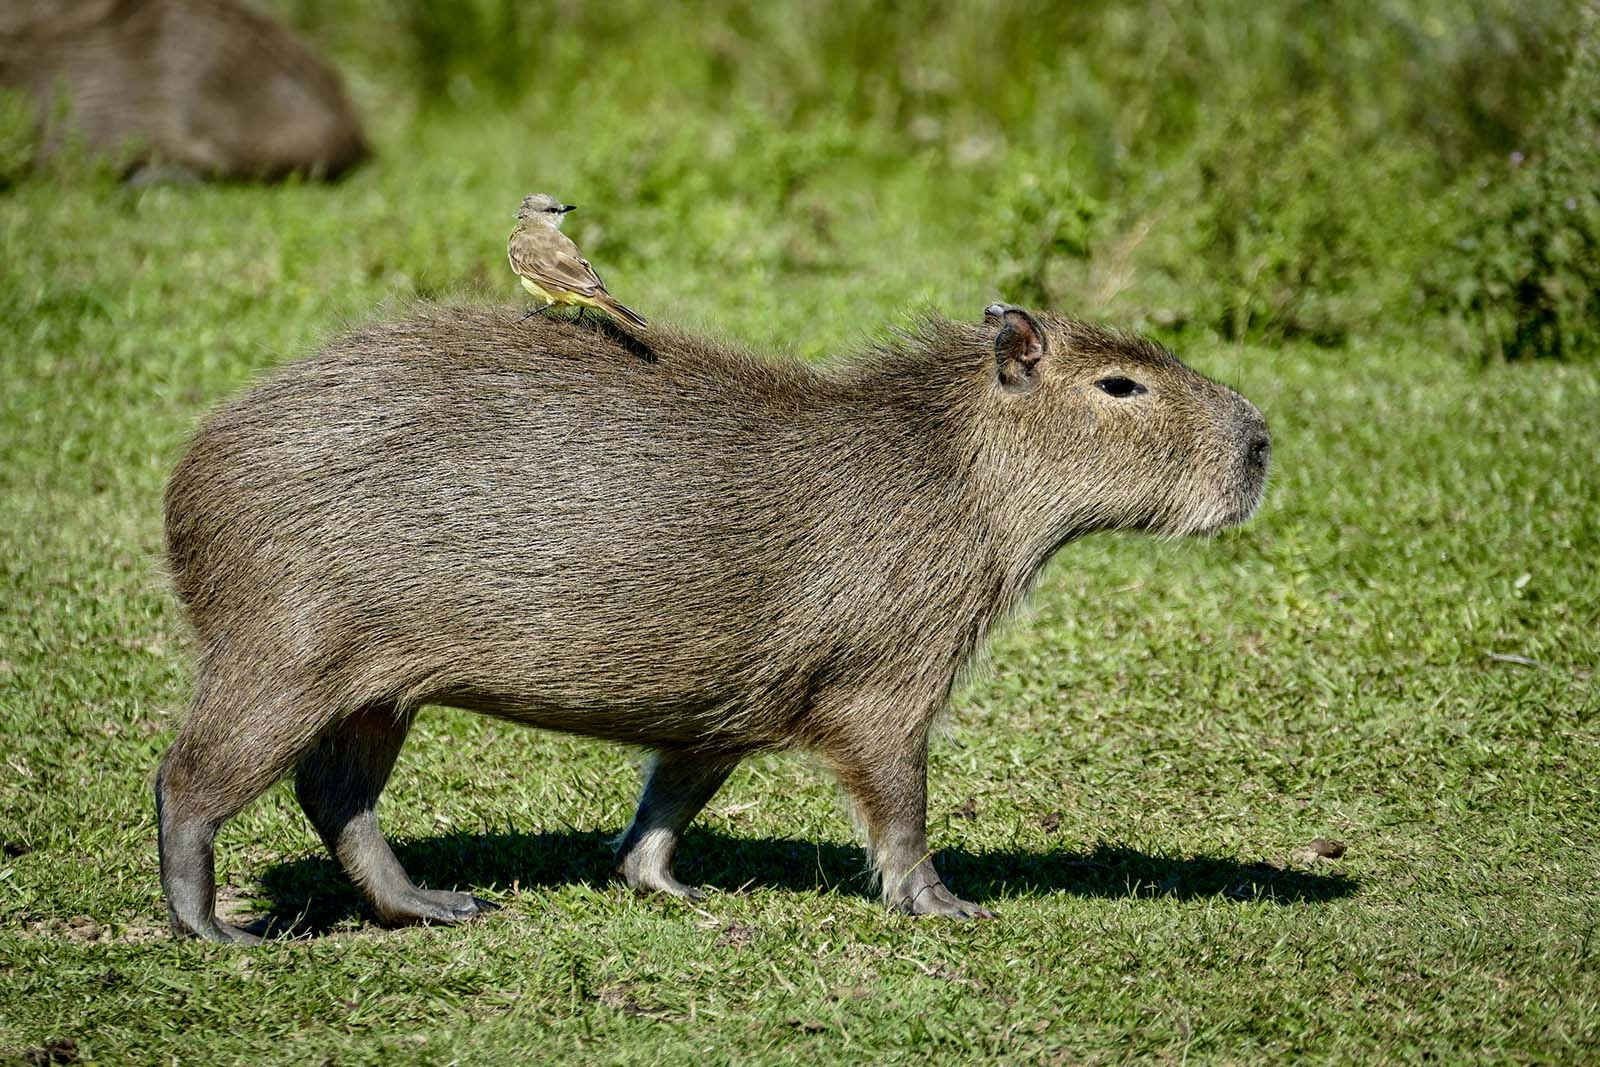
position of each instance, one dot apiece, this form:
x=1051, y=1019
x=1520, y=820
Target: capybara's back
x=527, y=519
x=680, y=546
x=208, y=86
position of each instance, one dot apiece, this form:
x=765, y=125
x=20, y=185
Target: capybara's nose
x=1252, y=430
x=1260, y=447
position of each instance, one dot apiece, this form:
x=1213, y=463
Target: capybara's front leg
x=677, y=785
x=338, y=783
x=888, y=780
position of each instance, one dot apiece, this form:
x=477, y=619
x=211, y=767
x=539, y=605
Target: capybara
x=206, y=87
x=679, y=546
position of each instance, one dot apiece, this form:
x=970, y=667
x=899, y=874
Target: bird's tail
x=621, y=310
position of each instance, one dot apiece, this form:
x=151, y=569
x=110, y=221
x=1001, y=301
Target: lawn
x=1397, y=653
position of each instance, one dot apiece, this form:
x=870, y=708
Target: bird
x=550, y=266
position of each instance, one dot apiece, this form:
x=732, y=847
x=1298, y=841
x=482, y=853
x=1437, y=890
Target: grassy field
x=1397, y=653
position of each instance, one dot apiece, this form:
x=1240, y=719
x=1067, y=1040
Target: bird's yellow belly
x=552, y=296
x=537, y=290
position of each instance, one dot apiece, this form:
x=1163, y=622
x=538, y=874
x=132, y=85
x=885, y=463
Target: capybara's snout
x=1255, y=450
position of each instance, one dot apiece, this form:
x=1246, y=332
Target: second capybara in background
x=686, y=548
x=207, y=87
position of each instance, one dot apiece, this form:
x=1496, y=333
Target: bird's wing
x=551, y=261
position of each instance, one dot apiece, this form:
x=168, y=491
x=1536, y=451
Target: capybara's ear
x=1019, y=347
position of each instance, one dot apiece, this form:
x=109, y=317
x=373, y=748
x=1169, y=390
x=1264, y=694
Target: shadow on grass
x=311, y=896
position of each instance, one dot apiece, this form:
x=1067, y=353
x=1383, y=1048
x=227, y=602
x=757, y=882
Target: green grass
x=1124, y=783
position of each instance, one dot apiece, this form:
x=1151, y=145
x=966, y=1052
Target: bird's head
x=543, y=207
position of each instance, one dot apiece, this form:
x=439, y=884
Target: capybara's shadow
x=310, y=896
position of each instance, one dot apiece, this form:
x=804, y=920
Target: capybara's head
x=1110, y=431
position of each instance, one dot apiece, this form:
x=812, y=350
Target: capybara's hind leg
x=219, y=763
x=338, y=784
x=188, y=867
x=676, y=787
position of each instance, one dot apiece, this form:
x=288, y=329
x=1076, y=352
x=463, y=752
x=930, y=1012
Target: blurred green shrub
x=17, y=133
x=1036, y=220
x=40, y=140
x=1119, y=86
x=1297, y=224
x=467, y=53
x=1520, y=276
x=692, y=188
x=1268, y=170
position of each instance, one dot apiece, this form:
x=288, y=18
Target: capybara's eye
x=1120, y=387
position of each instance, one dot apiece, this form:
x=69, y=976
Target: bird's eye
x=1120, y=387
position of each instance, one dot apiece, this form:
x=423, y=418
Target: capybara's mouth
x=1252, y=502
x=1250, y=497
x=1233, y=510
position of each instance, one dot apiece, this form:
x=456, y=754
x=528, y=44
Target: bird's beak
x=568, y=207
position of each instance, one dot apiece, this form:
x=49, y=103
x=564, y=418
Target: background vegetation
x=1303, y=169
x=1355, y=215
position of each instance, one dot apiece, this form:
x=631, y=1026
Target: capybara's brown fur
x=683, y=547
x=204, y=86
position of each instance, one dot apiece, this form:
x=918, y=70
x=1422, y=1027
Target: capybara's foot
x=676, y=788
x=234, y=935
x=649, y=879
x=215, y=931
x=441, y=906
x=935, y=899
